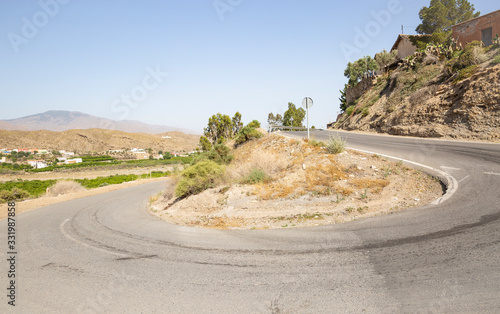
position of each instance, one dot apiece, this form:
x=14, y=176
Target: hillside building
x=484, y=28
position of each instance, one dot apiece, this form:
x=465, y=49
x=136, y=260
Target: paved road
x=106, y=254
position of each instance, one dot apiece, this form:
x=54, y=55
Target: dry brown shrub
x=222, y=223
x=343, y=190
x=374, y=185
x=274, y=190
x=170, y=185
x=64, y=187
x=324, y=176
x=270, y=163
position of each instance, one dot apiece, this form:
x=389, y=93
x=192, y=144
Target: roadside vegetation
x=208, y=169
x=28, y=189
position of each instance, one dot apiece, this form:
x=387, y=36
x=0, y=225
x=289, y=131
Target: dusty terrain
x=99, y=140
x=305, y=187
x=468, y=109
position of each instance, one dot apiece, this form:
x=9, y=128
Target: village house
x=67, y=154
x=38, y=164
x=3, y=160
x=484, y=28
x=404, y=46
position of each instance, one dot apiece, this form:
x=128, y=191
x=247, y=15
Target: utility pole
x=402, y=29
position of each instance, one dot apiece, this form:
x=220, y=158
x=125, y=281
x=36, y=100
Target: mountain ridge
x=63, y=120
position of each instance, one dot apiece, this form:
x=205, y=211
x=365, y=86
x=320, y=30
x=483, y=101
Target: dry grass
x=64, y=187
x=422, y=95
x=274, y=190
x=250, y=157
x=324, y=176
x=169, y=191
x=373, y=185
x=222, y=222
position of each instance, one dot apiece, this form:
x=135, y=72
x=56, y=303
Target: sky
x=177, y=62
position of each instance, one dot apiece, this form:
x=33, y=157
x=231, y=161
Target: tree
x=294, y=116
x=205, y=144
x=237, y=124
x=219, y=128
x=385, y=58
x=441, y=15
x=246, y=134
x=275, y=119
x=254, y=124
x=357, y=70
x=343, y=99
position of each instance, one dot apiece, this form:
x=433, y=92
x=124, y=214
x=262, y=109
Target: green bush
x=468, y=57
x=15, y=194
x=254, y=124
x=256, y=176
x=336, y=145
x=198, y=178
x=315, y=143
x=496, y=60
x=246, y=134
x=350, y=110
x=366, y=112
x=205, y=144
x=32, y=187
x=466, y=73
x=221, y=154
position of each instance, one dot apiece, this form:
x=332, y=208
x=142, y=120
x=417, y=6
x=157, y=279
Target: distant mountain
x=60, y=120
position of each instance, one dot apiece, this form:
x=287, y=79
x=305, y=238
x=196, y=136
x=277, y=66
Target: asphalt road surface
x=107, y=254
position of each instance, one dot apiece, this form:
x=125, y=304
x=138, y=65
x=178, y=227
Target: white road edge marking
x=449, y=168
x=61, y=227
x=463, y=179
x=451, y=186
x=492, y=173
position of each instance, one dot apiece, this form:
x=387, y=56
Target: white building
x=37, y=164
x=73, y=161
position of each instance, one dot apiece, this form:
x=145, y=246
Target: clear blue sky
x=252, y=56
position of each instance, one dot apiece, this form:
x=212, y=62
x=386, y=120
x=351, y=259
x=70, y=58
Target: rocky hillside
x=431, y=98
x=97, y=140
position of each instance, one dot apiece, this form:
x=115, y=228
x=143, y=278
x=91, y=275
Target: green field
x=24, y=189
x=106, y=161
x=14, y=190
x=118, y=179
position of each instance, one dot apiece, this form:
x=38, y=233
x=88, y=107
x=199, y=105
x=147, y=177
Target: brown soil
x=467, y=110
x=307, y=187
x=99, y=140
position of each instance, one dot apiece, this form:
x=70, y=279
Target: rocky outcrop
x=467, y=109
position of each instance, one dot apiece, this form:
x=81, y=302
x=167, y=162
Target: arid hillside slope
x=97, y=140
x=426, y=101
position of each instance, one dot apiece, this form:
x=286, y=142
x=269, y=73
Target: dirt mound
x=303, y=186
